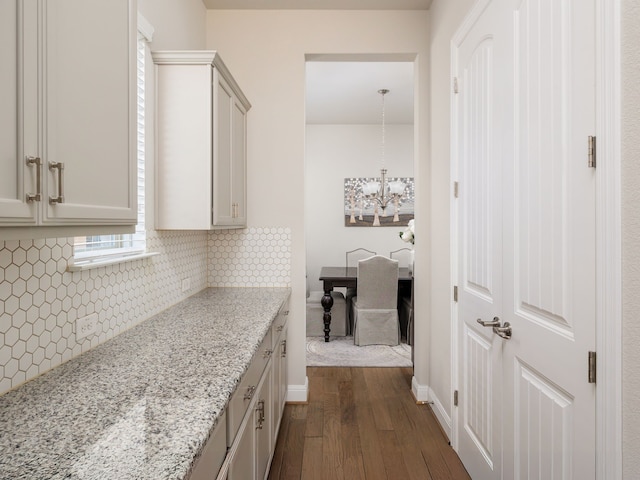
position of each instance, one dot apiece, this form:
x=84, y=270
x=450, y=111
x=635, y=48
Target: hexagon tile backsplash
x=40, y=301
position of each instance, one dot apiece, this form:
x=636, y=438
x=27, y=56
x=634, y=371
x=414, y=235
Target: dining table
x=332, y=277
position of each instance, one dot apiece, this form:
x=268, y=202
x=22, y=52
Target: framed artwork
x=361, y=212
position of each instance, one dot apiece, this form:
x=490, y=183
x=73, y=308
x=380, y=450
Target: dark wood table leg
x=327, y=303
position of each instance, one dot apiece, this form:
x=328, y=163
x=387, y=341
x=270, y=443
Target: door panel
x=526, y=246
x=542, y=425
x=480, y=243
x=549, y=243
x=542, y=123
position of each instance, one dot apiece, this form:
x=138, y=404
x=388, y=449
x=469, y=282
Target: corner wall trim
x=298, y=393
x=420, y=392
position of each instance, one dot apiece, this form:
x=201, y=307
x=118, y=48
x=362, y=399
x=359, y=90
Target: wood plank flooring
x=362, y=423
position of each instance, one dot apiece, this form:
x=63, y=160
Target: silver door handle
x=504, y=331
x=60, y=197
x=38, y=163
x=493, y=323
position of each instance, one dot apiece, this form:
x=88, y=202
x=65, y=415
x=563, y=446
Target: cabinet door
x=18, y=114
x=242, y=466
x=89, y=70
x=239, y=163
x=263, y=426
x=222, y=148
x=284, y=376
x=279, y=383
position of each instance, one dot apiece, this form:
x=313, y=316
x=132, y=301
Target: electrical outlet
x=86, y=326
x=186, y=284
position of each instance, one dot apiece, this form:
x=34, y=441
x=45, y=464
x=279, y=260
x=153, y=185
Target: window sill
x=91, y=264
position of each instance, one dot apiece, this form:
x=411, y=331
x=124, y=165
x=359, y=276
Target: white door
x=480, y=85
x=527, y=409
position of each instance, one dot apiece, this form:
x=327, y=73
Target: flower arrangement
x=408, y=235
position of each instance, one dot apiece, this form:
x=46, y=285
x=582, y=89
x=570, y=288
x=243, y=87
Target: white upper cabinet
x=201, y=129
x=67, y=126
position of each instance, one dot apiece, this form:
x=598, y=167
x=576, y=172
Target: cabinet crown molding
x=200, y=57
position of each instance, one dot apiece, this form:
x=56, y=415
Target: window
x=101, y=248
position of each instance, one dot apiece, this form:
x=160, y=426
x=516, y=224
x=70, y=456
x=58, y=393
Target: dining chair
x=403, y=255
x=375, y=308
x=405, y=306
x=352, y=257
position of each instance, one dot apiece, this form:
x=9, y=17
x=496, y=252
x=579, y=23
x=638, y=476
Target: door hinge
x=591, y=151
x=455, y=398
x=455, y=293
x=455, y=84
x=455, y=189
x=592, y=367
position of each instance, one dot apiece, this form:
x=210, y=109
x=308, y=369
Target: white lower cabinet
x=255, y=409
x=210, y=461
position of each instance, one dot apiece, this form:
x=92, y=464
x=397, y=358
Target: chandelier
x=382, y=192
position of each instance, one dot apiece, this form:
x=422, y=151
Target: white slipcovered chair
x=375, y=308
x=405, y=305
x=352, y=257
x=403, y=255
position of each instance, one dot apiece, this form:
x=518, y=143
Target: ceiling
x=347, y=92
x=318, y=4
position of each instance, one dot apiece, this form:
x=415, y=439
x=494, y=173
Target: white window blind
x=99, y=247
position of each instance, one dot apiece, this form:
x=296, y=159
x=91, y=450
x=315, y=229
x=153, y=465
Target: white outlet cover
x=86, y=326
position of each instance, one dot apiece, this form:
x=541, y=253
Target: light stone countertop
x=141, y=405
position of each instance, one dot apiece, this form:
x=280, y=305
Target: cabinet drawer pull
x=260, y=410
x=38, y=163
x=285, y=313
x=60, y=167
x=284, y=348
x=280, y=328
x=267, y=353
x=250, y=391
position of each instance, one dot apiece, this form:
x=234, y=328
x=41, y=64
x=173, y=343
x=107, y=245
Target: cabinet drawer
x=279, y=325
x=241, y=398
x=215, y=450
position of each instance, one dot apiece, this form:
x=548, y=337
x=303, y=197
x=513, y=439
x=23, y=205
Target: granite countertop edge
x=143, y=404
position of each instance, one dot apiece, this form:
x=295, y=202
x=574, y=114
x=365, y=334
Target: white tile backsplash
x=40, y=301
x=251, y=257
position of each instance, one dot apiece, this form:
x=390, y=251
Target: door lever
x=493, y=323
x=504, y=331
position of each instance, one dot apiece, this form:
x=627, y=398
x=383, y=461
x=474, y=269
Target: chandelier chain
x=383, y=92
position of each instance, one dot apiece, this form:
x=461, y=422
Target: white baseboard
x=298, y=393
x=424, y=394
x=441, y=414
x=420, y=392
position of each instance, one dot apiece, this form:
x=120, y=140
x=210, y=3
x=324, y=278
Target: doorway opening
x=346, y=140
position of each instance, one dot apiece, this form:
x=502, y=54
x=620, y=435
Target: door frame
x=608, y=237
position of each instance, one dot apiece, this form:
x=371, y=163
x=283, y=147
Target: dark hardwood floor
x=362, y=423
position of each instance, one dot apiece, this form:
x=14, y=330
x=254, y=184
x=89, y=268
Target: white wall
x=178, y=24
x=446, y=16
x=265, y=51
x=333, y=153
x=631, y=235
